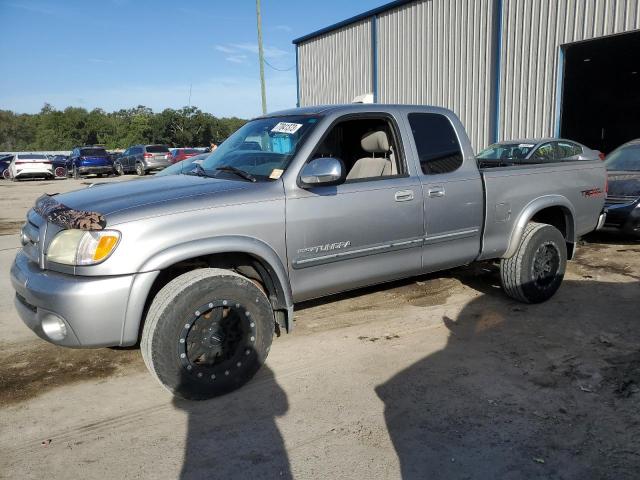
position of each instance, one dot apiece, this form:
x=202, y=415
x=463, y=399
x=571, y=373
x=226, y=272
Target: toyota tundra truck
x=202, y=269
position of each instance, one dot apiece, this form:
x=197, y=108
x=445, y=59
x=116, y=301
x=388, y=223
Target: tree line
x=52, y=129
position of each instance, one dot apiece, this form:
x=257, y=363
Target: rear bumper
x=34, y=173
x=156, y=165
x=89, y=169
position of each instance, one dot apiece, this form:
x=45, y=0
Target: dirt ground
x=441, y=376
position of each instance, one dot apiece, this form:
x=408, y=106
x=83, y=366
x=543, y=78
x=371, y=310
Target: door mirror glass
x=323, y=172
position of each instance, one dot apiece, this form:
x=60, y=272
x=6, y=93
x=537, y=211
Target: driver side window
x=544, y=154
x=367, y=147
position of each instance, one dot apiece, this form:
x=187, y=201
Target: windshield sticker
x=526, y=145
x=285, y=127
x=276, y=173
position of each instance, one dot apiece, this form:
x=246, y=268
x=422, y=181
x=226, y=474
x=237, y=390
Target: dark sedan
x=5, y=160
x=623, y=195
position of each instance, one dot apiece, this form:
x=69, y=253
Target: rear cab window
x=93, y=152
x=157, y=149
x=436, y=142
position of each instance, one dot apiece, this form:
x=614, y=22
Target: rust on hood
x=66, y=217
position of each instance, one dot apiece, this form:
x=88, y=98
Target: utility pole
x=261, y=58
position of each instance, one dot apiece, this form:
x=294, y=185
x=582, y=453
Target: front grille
x=30, y=237
x=24, y=302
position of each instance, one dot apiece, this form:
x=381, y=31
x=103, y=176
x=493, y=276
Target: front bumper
x=93, y=309
x=625, y=218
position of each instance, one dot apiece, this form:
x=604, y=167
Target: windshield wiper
x=238, y=172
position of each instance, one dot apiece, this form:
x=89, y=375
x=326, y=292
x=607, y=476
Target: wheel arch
x=248, y=256
x=555, y=210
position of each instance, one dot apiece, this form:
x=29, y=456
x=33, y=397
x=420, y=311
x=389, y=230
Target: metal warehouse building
x=508, y=68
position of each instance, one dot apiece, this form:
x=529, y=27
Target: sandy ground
x=441, y=376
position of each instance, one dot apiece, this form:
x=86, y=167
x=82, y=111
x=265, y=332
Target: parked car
x=5, y=160
x=30, y=165
x=204, y=268
x=143, y=159
x=185, y=166
x=59, y=163
x=179, y=154
x=540, y=150
x=89, y=160
x=623, y=194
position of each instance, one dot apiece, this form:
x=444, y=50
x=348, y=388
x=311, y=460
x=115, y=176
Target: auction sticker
x=285, y=127
x=276, y=173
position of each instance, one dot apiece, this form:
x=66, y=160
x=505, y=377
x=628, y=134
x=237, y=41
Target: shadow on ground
x=236, y=436
x=525, y=391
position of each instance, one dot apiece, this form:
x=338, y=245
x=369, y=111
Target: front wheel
x=207, y=333
x=534, y=273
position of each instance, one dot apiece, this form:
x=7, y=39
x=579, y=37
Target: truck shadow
x=236, y=436
x=525, y=391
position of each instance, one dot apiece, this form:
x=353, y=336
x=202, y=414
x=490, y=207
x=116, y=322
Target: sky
x=114, y=54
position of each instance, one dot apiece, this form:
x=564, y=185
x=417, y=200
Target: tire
x=6, y=174
x=140, y=169
x=118, y=169
x=179, y=350
x=74, y=173
x=60, y=172
x=534, y=273
x=99, y=175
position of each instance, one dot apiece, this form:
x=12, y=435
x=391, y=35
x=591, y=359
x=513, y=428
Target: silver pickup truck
x=204, y=268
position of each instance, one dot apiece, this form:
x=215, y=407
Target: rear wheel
x=118, y=168
x=140, y=169
x=6, y=174
x=534, y=273
x=60, y=172
x=75, y=173
x=207, y=333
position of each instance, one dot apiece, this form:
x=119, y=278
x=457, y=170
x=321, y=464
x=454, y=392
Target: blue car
x=89, y=161
x=5, y=160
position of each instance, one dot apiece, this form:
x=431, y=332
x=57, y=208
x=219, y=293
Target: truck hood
x=123, y=201
x=624, y=184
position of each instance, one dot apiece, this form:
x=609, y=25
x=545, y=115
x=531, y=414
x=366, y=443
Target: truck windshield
x=625, y=158
x=263, y=147
x=506, y=151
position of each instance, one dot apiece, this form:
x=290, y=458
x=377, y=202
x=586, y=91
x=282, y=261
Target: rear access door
x=452, y=190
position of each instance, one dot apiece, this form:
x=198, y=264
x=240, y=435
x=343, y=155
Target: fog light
x=53, y=327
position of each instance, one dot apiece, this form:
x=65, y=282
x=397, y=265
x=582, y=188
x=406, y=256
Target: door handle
x=404, y=195
x=436, y=192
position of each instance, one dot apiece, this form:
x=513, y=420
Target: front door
x=367, y=230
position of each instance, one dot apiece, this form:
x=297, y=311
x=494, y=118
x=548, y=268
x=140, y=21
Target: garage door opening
x=601, y=91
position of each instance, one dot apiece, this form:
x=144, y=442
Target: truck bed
x=512, y=189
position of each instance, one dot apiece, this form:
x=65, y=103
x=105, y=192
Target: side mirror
x=324, y=171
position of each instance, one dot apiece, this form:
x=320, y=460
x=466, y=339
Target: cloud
x=236, y=58
x=99, y=60
x=223, y=49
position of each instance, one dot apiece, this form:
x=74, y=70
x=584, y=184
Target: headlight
x=80, y=247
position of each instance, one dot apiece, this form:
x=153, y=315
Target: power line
x=279, y=69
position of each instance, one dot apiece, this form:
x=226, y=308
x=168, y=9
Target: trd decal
x=593, y=193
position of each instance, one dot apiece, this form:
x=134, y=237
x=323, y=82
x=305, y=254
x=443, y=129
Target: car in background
x=89, y=160
x=185, y=167
x=143, y=159
x=543, y=150
x=30, y=165
x=5, y=160
x=59, y=163
x=180, y=154
x=623, y=192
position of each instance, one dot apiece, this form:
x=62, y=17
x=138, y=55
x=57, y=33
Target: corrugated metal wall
x=533, y=31
x=439, y=52
x=337, y=66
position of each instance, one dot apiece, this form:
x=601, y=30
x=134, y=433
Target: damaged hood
x=124, y=201
x=624, y=184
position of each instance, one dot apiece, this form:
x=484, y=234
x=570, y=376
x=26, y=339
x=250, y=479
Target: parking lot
x=440, y=374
